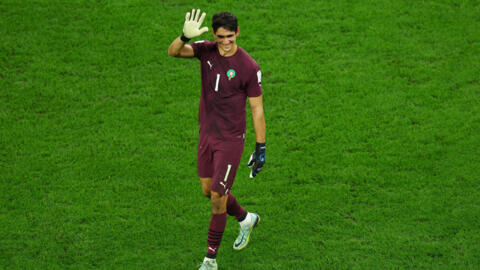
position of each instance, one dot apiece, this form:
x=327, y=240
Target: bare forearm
x=259, y=124
x=176, y=47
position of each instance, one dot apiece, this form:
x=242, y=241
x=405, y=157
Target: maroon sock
x=215, y=233
x=234, y=208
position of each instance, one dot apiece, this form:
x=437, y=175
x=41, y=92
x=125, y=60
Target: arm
x=257, y=159
x=178, y=48
x=256, y=105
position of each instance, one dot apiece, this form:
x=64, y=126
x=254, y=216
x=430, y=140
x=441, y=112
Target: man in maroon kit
x=229, y=77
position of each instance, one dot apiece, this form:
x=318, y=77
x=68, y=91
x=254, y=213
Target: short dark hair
x=226, y=20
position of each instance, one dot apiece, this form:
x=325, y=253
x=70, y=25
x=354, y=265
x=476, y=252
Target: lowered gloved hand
x=257, y=159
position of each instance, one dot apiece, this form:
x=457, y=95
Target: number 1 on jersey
x=216, y=84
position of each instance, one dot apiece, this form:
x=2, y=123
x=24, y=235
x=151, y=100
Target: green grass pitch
x=373, y=136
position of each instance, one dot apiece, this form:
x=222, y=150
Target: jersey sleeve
x=254, y=83
x=199, y=47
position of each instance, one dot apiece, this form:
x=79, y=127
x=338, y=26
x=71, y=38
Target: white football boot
x=246, y=228
x=209, y=264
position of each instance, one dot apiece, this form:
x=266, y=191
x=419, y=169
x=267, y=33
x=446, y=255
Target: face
x=226, y=40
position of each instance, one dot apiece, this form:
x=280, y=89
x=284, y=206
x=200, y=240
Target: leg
x=205, y=164
x=235, y=209
x=219, y=202
x=206, y=183
x=218, y=162
x=217, y=223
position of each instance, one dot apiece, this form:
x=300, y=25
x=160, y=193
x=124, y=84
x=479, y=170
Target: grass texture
x=373, y=136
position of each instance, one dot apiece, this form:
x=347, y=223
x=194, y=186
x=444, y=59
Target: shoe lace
x=245, y=230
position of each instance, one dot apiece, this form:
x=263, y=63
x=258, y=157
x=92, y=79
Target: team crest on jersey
x=230, y=74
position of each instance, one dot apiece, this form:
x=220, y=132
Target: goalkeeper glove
x=257, y=159
x=191, y=28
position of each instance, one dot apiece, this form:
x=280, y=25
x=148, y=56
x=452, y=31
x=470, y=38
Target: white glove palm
x=193, y=21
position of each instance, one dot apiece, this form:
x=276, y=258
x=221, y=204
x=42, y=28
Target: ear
x=238, y=30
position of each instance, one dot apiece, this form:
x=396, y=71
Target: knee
x=206, y=192
x=215, y=197
x=206, y=184
x=219, y=202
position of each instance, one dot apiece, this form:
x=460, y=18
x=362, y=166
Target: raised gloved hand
x=193, y=21
x=257, y=159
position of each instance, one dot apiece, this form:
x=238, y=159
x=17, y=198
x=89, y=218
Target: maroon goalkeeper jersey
x=226, y=84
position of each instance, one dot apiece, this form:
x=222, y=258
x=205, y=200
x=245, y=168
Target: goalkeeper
x=229, y=77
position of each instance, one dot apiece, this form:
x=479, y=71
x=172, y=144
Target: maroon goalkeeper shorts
x=219, y=160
